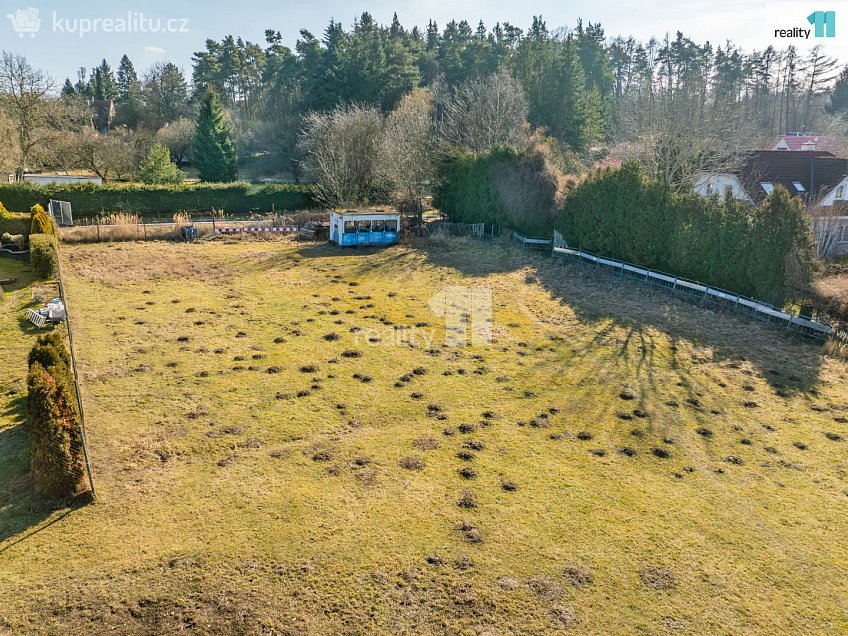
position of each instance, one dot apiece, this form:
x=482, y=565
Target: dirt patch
x=467, y=499
x=577, y=575
x=411, y=463
x=545, y=587
x=111, y=266
x=425, y=443
x=658, y=578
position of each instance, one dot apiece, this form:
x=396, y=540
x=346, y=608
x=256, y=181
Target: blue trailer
x=351, y=228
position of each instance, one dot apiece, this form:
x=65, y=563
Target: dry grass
x=234, y=500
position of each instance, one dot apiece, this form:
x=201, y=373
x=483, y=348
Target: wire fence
x=63, y=296
x=699, y=292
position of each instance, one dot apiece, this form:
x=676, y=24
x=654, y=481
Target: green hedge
x=150, y=200
x=42, y=255
x=764, y=252
x=54, y=426
x=504, y=187
x=15, y=223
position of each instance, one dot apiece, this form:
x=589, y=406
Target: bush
x=763, y=252
x=158, y=169
x=4, y=213
x=504, y=187
x=49, y=351
x=89, y=200
x=41, y=223
x=15, y=223
x=55, y=435
x=42, y=255
x=15, y=240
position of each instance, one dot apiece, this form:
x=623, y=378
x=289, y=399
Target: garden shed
x=374, y=227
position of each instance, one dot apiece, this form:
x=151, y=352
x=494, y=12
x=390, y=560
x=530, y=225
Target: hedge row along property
x=54, y=426
x=763, y=251
x=160, y=200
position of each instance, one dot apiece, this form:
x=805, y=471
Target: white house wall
x=719, y=183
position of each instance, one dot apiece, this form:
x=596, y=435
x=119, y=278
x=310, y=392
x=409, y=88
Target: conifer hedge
x=763, y=251
x=504, y=187
x=89, y=200
x=55, y=435
x=43, y=257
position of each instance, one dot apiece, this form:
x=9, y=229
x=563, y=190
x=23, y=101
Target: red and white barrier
x=255, y=230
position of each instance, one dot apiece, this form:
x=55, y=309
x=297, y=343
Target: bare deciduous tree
x=24, y=93
x=340, y=151
x=678, y=135
x=178, y=137
x=484, y=113
x=408, y=147
x=830, y=227
x=109, y=157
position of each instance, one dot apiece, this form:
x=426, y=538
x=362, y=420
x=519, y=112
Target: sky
x=69, y=35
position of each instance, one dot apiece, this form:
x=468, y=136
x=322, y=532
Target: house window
x=767, y=186
x=844, y=238
x=709, y=188
x=728, y=191
x=799, y=186
x=840, y=192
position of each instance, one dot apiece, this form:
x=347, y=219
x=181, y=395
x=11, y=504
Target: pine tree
x=214, y=147
x=129, y=95
x=103, y=85
x=158, y=169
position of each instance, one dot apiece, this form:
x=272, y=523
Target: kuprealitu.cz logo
x=27, y=22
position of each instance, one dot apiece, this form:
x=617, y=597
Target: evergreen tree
x=129, y=95
x=214, y=147
x=839, y=95
x=158, y=169
x=102, y=83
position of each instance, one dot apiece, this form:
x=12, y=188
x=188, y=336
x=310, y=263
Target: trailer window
x=391, y=226
x=349, y=227
x=363, y=226
x=379, y=226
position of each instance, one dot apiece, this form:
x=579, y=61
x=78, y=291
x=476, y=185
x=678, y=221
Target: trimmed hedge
x=42, y=255
x=88, y=199
x=503, y=187
x=54, y=426
x=764, y=252
x=15, y=223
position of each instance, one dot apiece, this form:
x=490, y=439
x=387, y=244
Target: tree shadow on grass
x=788, y=363
x=23, y=510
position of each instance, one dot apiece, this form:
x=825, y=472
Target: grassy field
x=282, y=445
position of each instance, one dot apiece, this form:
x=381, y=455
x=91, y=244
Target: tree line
x=673, y=104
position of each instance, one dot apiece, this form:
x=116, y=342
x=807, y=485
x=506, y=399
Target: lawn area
x=626, y=463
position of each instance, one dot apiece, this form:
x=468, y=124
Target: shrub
x=15, y=223
x=41, y=223
x=42, y=255
x=16, y=240
x=764, y=252
x=54, y=427
x=89, y=200
x=158, y=169
x=50, y=350
x=4, y=213
x=505, y=187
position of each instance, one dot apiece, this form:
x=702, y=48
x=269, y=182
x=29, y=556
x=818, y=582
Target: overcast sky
x=60, y=47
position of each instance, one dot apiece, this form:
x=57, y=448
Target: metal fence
x=476, y=230
x=63, y=296
x=529, y=241
x=700, y=292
